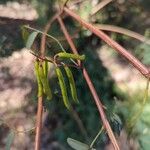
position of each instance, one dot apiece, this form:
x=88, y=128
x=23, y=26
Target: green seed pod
x=36, y=70
x=45, y=83
x=72, y=56
x=45, y=67
x=72, y=84
x=63, y=87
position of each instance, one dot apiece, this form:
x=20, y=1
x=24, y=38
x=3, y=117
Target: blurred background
x=120, y=87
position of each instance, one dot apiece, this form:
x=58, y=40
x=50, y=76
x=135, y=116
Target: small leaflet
x=77, y=145
x=31, y=39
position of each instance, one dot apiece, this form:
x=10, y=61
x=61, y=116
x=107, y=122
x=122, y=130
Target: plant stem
x=47, y=27
x=42, y=53
x=100, y=131
x=92, y=89
x=121, y=50
x=99, y=6
x=50, y=36
x=39, y=123
x=124, y=31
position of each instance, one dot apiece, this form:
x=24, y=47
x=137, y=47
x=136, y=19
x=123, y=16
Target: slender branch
x=39, y=123
x=54, y=61
x=101, y=111
x=40, y=99
x=124, y=31
x=47, y=27
x=134, y=61
x=99, y=6
x=48, y=35
x=100, y=131
x=43, y=43
x=73, y=36
x=92, y=89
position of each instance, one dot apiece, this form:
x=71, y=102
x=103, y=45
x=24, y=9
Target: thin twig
x=40, y=99
x=92, y=89
x=124, y=31
x=99, y=6
x=47, y=27
x=48, y=35
x=100, y=131
x=121, y=50
x=39, y=123
x=54, y=61
x=61, y=39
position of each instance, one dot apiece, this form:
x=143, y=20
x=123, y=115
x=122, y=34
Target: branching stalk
x=121, y=50
x=96, y=137
x=50, y=36
x=124, y=31
x=92, y=89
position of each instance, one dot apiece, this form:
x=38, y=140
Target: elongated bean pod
x=45, y=68
x=72, y=84
x=62, y=87
x=45, y=83
x=36, y=70
x=72, y=56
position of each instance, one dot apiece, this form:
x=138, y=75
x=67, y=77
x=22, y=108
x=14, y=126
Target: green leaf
x=25, y=34
x=31, y=39
x=77, y=145
x=10, y=139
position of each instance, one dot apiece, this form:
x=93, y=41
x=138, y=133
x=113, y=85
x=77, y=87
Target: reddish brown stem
x=92, y=89
x=40, y=99
x=39, y=123
x=134, y=61
x=43, y=40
